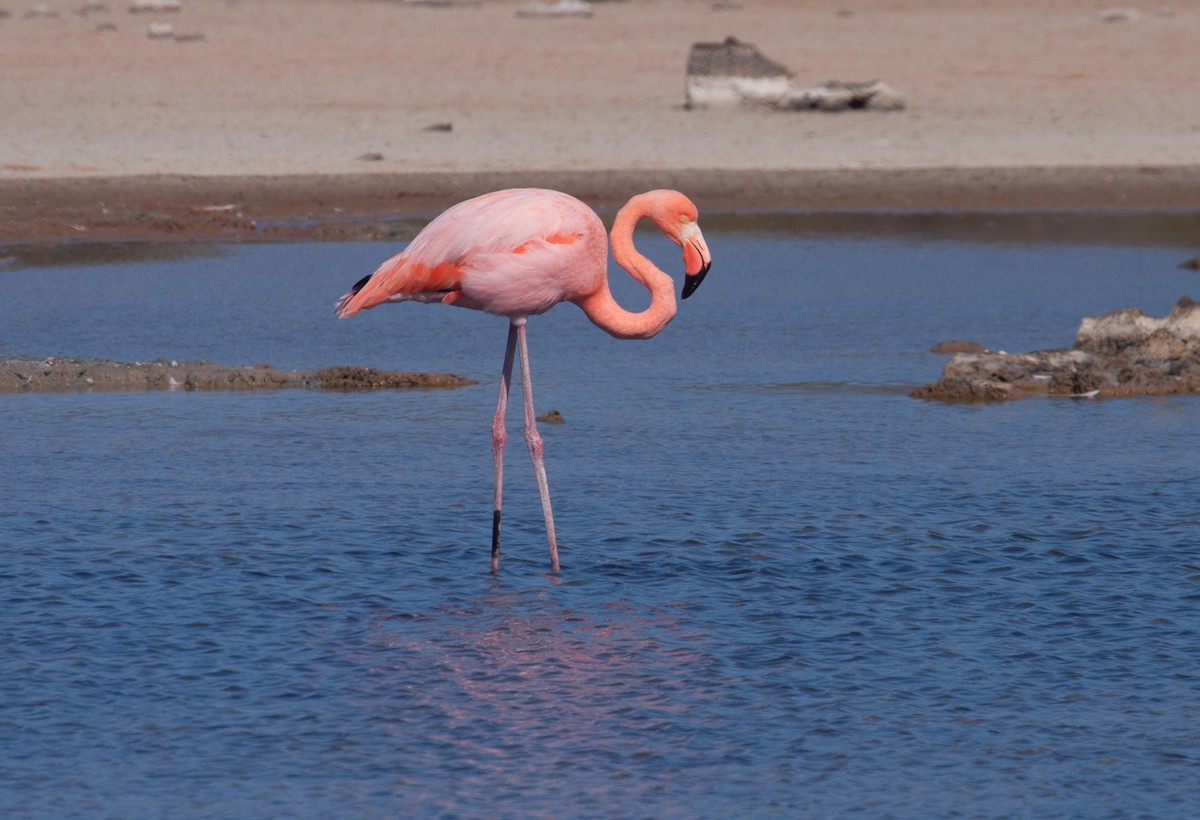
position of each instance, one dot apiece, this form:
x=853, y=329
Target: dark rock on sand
x=1123, y=353
x=64, y=375
x=732, y=72
x=555, y=8
x=837, y=95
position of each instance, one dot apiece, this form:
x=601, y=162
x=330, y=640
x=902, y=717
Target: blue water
x=788, y=589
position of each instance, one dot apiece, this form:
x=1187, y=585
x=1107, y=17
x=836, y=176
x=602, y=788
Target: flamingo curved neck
x=603, y=309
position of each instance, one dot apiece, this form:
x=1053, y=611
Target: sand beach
x=330, y=111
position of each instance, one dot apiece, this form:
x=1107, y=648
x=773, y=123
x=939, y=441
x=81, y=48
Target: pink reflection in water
x=516, y=689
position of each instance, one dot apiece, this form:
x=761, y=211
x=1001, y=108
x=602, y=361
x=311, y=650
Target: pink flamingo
x=520, y=252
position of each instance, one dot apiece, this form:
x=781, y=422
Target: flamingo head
x=675, y=216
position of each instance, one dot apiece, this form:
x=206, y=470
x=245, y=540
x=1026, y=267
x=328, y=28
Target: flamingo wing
x=515, y=252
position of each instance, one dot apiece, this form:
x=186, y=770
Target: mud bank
x=57, y=375
x=372, y=207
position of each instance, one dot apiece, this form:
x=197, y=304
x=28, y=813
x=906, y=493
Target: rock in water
x=1122, y=353
x=551, y=417
x=958, y=346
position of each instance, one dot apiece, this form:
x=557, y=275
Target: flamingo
x=519, y=252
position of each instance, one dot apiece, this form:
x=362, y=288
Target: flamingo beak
x=696, y=258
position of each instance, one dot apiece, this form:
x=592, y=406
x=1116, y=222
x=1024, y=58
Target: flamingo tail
x=340, y=307
x=400, y=279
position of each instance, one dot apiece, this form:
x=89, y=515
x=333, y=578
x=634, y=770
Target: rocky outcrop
x=1123, y=353
x=65, y=375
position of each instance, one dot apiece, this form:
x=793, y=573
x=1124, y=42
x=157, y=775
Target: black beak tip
x=693, y=280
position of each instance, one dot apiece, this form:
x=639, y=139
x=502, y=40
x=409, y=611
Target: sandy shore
x=258, y=112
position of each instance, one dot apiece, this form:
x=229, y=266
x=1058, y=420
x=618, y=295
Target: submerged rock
x=64, y=375
x=1122, y=353
x=958, y=346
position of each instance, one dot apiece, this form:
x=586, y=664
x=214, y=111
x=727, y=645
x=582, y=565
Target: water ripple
x=788, y=590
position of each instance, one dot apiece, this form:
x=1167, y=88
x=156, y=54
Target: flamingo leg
x=534, y=440
x=499, y=436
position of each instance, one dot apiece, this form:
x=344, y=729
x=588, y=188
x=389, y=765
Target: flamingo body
x=514, y=253
x=517, y=253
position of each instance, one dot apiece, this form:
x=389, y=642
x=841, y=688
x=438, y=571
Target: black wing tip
x=339, y=308
x=360, y=284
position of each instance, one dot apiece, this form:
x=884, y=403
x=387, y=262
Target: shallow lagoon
x=787, y=587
